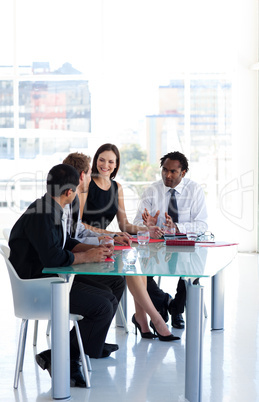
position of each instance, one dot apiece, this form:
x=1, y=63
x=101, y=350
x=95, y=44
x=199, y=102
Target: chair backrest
x=31, y=297
x=6, y=233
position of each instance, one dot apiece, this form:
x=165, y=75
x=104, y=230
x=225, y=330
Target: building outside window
x=176, y=79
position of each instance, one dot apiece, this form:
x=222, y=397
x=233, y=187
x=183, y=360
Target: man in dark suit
x=37, y=240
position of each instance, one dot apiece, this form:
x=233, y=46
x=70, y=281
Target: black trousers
x=159, y=297
x=96, y=298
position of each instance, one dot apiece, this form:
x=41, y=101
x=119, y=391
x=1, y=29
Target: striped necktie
x=172, y=206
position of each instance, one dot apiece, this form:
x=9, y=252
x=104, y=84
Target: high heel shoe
x=166, y=338
x=147, y=335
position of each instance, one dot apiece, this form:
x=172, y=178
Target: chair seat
x=75, y=317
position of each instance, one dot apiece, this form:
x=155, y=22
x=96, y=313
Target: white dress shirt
x=190, y=202
x=82, y=234
x=64, y=227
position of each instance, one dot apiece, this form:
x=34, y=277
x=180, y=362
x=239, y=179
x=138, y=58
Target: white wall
x=240, y=217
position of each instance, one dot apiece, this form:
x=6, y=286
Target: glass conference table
x=155, y=259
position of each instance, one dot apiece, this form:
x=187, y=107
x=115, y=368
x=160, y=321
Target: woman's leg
x=138, y=288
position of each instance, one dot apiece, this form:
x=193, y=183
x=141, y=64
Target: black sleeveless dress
x=101, y=206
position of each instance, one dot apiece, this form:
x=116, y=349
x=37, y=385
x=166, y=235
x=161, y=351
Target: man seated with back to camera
x=37, y=241
x=76, y=230
x=172, y=202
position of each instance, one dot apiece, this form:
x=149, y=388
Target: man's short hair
x=79, y=161
x=62, y=178
x=176, y=156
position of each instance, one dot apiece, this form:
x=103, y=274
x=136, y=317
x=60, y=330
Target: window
x=160, y=75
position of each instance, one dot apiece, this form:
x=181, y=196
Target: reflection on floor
x=144, y=370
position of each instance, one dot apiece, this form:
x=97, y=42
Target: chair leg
x=124, y=321
x=20, y=352
x=82, y=355
x=48, y=328
x=23, y=345
x=88, y=362
x=35, y=333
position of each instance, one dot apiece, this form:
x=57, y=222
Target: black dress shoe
x=76, y=377
x=44, y=360
x=163, y=338
x=108, y=348
x=177, y=320
x=112, y=346
x=163, y=312
x=146, y=335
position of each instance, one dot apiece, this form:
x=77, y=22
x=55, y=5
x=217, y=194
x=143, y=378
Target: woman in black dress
x=105, y=200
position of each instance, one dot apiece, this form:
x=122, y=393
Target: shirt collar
x=178, y=188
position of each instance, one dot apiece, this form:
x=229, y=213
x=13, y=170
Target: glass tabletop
x=157, y=259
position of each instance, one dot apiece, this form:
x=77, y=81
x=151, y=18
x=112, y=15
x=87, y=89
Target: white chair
x=6, y=233
x=32, y=301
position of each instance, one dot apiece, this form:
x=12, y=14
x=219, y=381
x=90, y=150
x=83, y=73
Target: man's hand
x=104, y=237
x=108, y=246
x=92, y=254
x=149, y=220
x=125, y=234
x=169, y=224
x=122, y=239
x=98, y=254
x=155, y=232
x=107, y=241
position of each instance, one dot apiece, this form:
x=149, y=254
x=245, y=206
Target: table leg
x=194, y=342
x=60, y=353
x=217, y=301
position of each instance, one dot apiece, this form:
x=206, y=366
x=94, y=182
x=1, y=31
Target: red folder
x=180, y=242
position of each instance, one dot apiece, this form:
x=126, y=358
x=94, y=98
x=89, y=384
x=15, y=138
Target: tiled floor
x=144, y=370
